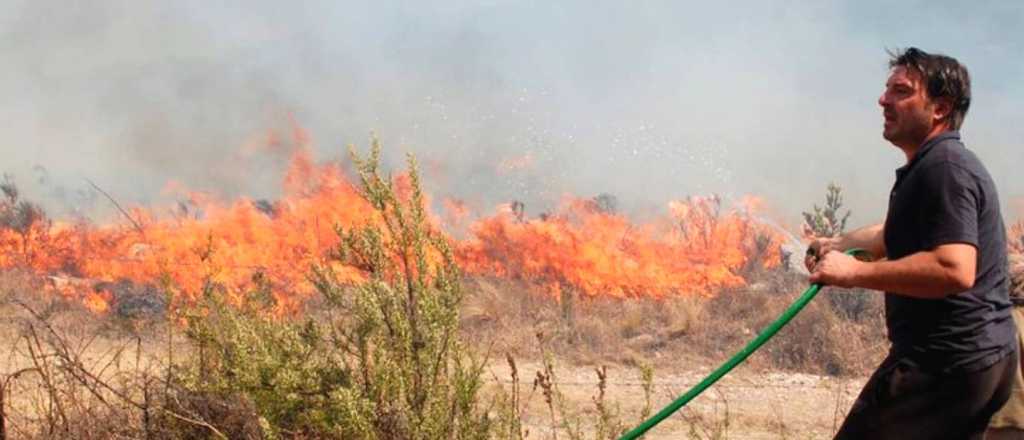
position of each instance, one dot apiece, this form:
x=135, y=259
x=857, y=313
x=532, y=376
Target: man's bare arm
x=946, y=270
x=870, y=238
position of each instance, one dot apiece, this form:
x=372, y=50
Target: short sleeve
x=950, y=206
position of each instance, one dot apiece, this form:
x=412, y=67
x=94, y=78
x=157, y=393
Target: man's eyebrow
x=900, y=83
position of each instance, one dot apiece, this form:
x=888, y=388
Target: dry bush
x=827, y=337
x=1017, y=275
x=70, y=373
x=820, y=340
x=235, y=416
x=507, y=317
x=1015, y=237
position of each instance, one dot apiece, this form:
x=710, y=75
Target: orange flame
x=696, y=250
x=456, y=212
x=97, y=302
x=697, y=247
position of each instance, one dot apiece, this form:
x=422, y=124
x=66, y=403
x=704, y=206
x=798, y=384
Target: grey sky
x=648, y=101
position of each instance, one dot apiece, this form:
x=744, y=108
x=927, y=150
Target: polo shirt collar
x=925, y=148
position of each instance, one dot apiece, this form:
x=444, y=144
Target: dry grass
x=67, y=374
x=833, y=335
x=127, y=399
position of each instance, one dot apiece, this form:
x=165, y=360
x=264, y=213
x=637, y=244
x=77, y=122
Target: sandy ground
x=745, y=404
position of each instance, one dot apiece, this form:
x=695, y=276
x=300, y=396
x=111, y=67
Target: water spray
x=736, y=359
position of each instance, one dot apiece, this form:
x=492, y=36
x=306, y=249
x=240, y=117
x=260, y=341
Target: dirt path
x=744, y=405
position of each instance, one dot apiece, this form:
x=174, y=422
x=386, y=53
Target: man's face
x=910, y=115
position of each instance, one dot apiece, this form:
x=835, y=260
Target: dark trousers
x=901, y=401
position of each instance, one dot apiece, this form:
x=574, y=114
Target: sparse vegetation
x=662, y=332
x=241, y=373
x=827, y=221
x=853, y=304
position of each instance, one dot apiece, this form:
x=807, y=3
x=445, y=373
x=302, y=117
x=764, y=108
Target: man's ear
x=943, y=108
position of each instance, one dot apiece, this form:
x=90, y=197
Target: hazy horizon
x=649, y=102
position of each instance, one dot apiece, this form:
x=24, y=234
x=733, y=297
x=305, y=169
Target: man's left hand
x=836, y=269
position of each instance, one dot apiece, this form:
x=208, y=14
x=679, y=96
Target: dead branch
x=73, y=366
x=3, y=397
x=138, y=227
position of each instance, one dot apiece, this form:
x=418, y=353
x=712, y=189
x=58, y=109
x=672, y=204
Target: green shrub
x=285, y=372
x=387, y=363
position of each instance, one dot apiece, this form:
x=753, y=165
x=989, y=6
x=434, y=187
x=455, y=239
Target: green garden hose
x=736, y=359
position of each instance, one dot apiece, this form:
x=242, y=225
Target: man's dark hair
x=944, y=78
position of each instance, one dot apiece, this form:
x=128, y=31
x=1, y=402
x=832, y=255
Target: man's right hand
x=818, y=248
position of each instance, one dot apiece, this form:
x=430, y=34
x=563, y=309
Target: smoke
x=646, y=101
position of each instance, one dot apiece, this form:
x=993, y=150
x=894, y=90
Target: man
x=942, y=252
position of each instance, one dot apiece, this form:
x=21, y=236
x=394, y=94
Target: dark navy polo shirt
x=944, y=195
